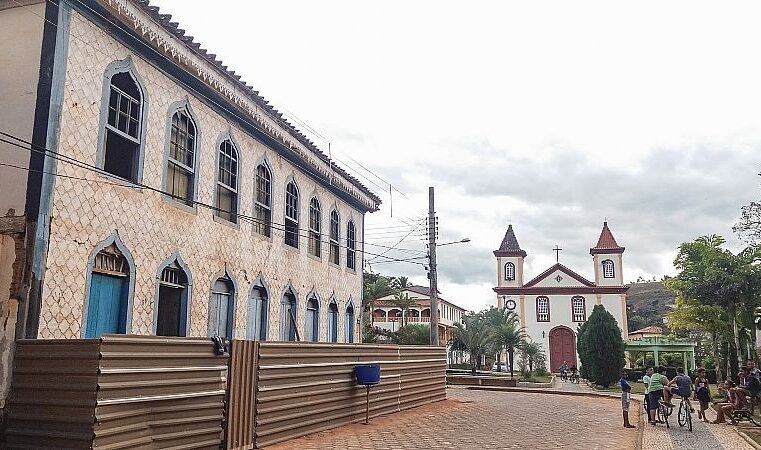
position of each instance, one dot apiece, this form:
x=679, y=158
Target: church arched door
x=562, y=347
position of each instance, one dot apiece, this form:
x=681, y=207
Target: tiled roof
x=650, y=330
x=165, y=20
x=422, y=290
x=606, y=243
x=510, y=246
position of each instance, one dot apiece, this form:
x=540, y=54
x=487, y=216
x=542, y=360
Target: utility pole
x=434, y=293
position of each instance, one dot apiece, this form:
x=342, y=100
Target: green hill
x=647, y=304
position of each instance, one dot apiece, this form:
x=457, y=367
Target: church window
x=608, y=270
x=578, y=309
x=542, y=309
x=509, y=271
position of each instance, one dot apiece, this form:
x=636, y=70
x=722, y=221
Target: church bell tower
x=607, y=256
x=510, y=259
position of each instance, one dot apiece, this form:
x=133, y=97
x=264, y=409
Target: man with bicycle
x=564, y=371
x=683, y=387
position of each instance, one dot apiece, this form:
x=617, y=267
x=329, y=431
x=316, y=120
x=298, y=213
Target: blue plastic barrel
x=367, y=375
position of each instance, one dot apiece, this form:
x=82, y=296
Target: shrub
x=600, y=347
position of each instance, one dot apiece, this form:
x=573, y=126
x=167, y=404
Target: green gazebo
x=662, y=344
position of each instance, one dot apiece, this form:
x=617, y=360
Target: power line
x=83, y=165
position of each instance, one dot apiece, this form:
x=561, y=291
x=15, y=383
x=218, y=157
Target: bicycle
x=563, y=375
x=663, y=412
x=574, y=378
x=746, y=413
x=684, y=416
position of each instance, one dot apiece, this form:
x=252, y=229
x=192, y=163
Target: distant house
x=647, y=332
x=389, y=317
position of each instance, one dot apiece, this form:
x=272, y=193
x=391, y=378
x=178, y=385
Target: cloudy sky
x=549, y=115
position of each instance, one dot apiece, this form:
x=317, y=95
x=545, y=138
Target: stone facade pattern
x=152, y=227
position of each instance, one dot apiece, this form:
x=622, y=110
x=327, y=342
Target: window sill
x=179, y=205
x=315, y=258
x=233, y=225
x=119, y=180
x=262, y=237
x=334, y=265
x=291, y=248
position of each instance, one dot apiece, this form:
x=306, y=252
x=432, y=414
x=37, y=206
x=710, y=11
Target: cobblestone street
x=481, y=419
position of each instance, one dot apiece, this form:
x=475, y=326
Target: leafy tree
x=581, y=350
x=693, y=315
x=601, y=347
x=414, y=334
x=748, y=228
x=715, y=276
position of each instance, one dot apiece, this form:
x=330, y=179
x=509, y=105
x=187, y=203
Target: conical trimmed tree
x=601, y=347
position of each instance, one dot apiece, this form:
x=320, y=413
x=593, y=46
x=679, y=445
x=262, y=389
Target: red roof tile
x=607, y=243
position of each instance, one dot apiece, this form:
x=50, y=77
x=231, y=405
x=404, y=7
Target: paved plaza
x=488, y=419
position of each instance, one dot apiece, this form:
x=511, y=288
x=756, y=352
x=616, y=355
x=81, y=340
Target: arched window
x=578, y=309
x=122, y=137
x=221, y=308
x=109, y=290
x=542, y=309
x=312, y=322
x=333, y=322
x=171, y=319
x=258, y=307
x=608, y=269
x=509, y=271
x=351, y=244
x=335, y=221
x=315, y=224
x=288, y=330
x=263, y=201
x=180, y=167
x=292, y=215
x=350, y=323
x=227, y=182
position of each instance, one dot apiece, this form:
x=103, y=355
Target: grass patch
x=533, y=378
x=638, y=387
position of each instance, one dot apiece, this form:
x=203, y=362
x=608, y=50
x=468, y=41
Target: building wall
x=561, y=315
x=21, y=31
x=153, y=228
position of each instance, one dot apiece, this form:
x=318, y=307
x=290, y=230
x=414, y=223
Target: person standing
x=702, y=393
x=626, y=395
x=657, y=381
x=646, y=382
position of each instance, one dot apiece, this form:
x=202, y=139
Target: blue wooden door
x=107, y=308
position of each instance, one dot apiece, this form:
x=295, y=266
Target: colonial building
x=553, y=304
x=388, y=316
x=164, y=195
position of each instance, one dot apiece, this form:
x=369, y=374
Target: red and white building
x=388, y=316
x=553, y=304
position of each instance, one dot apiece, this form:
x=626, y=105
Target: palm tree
x=510, y=337
x=374, y=290
x=404, y=302
x=400, y=283
x=474, y=335
x=533, y=352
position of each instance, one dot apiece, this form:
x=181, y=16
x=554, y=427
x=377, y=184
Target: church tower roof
x=606, y=243
x=510, y=246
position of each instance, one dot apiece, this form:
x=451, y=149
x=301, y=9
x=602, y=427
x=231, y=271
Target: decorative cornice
x=566, y=290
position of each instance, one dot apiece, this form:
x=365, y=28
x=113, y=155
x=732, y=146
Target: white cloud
x=552, y=114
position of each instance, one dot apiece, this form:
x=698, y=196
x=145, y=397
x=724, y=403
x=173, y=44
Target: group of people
x=566, y=371
x=658, y=386
x=736, y=396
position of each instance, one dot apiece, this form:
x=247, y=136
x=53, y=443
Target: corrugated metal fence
x=121, y=391
x=303, y=388
x=116, y=392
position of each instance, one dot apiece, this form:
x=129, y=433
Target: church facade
x=554, y=303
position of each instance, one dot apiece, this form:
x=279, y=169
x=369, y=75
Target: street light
x=461, y=241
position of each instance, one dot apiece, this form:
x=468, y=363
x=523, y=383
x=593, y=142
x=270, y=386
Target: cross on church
x=557, y=253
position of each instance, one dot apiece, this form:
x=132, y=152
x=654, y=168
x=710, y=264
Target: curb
x=748, y=439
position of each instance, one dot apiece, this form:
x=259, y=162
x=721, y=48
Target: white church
x=554, y=303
